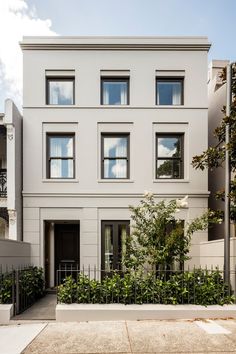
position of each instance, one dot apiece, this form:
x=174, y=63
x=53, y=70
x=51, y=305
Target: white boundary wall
x=212, y=254
x=116, y=312
x=14, y=254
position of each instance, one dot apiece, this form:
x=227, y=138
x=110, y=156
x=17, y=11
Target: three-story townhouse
x=106, y=118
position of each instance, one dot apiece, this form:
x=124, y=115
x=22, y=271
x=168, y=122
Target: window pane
x=115, y=92
x=115, y=168
x=122, y=235
x=169, y=146
x=115, y=146
x=169, y=93
x=61, y=92
x=168, y=169
x=61, y=146
x=61, y=168
x=108, y=241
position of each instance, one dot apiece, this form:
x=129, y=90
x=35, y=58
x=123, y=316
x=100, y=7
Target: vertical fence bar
x=17, y=291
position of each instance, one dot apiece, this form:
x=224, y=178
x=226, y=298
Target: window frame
x=115, y=79
x=170, y=79
x=115, y=228
x=127, y=158
x=60, y=79
x=181, y=158
x=48, y=169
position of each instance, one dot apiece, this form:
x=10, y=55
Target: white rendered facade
x=87, y=199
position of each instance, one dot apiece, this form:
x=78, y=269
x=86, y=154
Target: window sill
x=60, y=180
x=170, y=180
x=60, y=105
x=169, y=105
x=115, y=181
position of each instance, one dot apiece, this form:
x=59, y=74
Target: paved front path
x=43, y=309
x=206, y=336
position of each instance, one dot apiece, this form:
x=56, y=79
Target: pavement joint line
x=46, y=324
x=127, y=330
x=212, y=327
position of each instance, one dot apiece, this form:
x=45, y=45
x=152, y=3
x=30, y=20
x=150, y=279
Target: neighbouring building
x=10, y=173
x=212, y=252
x=104, y=119
x=13, y=251
x=216, y=99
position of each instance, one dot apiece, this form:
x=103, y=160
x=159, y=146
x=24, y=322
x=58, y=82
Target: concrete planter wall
x=6, y=312
x=113, y=312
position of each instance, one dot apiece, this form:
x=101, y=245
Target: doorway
x=66, y=246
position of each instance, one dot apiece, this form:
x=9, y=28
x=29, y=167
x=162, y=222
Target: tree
x=214, y=156
x=158, y=238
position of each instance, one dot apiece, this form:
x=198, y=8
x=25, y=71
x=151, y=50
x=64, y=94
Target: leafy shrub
x=31, y=283
x=197, y=287
x=6, y=281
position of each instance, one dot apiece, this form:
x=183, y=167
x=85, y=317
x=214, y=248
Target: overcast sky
x=213, y=18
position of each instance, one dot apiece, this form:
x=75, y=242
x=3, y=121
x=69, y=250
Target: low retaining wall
x=14, y=254
x=6, y=312
x=116, y=312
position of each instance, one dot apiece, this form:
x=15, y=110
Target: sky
x=212, y=18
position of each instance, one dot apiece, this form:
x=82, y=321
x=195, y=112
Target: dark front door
x=66, y=246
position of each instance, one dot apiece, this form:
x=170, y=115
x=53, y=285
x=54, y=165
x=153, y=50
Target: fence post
x=13, y=292
x=17, y=291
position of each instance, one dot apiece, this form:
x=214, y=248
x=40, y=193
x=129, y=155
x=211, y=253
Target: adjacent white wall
x=14, y=254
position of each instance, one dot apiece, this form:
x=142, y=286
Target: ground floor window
x=113, y=243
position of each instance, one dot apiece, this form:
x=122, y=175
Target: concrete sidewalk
x=14, y=338
x=136, y=337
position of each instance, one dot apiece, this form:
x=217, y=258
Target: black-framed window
x=114, y=91
x=169, y=156
x=113, y=242
x=115, y=153
x=60, y=156
x=60, y=90
x=169, y=91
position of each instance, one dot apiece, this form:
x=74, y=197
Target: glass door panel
x=108, y=243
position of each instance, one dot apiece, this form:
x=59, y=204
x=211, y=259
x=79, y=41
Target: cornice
x=116, y=43
x=115, y=47
x=200, y=194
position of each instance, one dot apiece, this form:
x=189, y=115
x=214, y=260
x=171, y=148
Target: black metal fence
x=3, y=182
x=21, y=287
x=162, y=286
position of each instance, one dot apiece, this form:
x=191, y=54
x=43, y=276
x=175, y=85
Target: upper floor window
x=169, y=91
x=115, y=156
x=169, y=156
x=60, y=90
x=115, y=91
x=61, y=155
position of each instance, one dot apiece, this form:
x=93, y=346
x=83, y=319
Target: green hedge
x=198, y=287
x=31, y=283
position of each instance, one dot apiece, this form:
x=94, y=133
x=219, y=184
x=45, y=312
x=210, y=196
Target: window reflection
x=115, y=156
x=169, y=162
x=169, y=92
x=61, y=92
x=114, y=92
x=61, y=156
